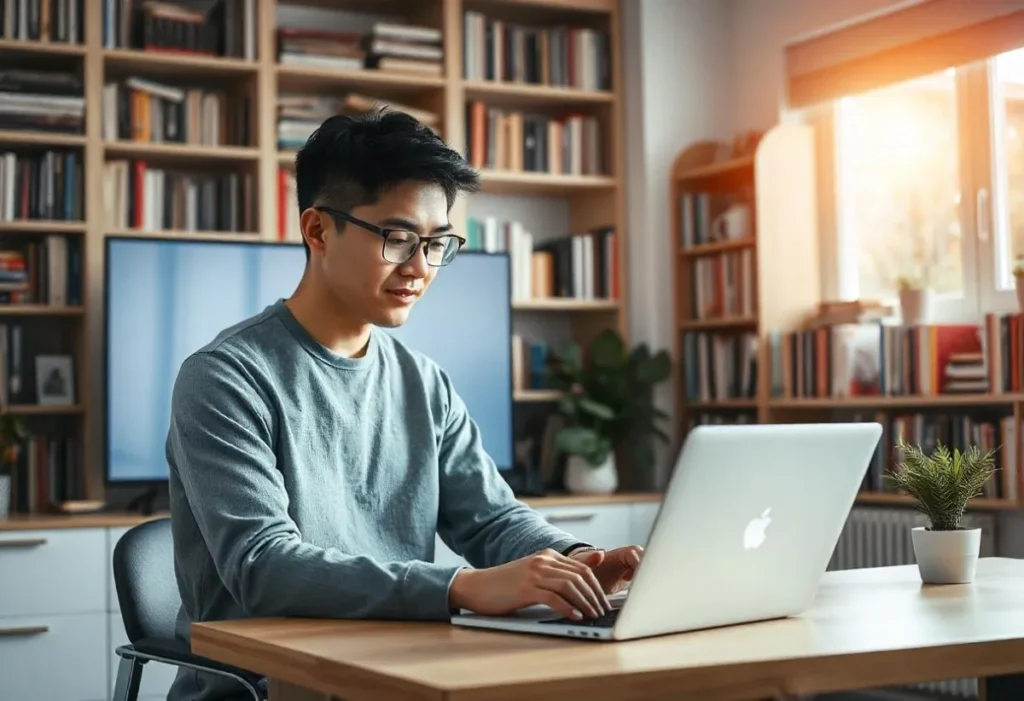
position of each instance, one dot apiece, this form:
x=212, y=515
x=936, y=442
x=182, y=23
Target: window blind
x=906, y=41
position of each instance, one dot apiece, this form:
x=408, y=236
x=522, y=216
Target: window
x=929, y=186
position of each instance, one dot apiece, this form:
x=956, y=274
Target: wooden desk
x=867, y=629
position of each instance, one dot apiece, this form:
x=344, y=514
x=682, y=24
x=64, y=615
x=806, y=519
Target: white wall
x=760, y=29
x=678, y=58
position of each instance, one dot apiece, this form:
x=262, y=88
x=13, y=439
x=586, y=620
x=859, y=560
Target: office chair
x=148, y=595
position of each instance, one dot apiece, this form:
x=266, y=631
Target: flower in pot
x=608, y=405
x=12, y=433
x=941, y=484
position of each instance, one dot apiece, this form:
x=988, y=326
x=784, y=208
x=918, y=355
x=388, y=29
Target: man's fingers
x=587, y=573
x=559, y=604
x=565, y=587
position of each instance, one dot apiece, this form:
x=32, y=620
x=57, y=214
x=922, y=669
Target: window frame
x=980, y=201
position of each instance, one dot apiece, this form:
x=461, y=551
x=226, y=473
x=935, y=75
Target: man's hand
x=566, y=584
x=614, y=568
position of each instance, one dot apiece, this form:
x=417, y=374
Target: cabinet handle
x=23, y=543
x=567, y=518
x=23, y=631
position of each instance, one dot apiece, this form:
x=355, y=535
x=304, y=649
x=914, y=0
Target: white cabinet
x=60, y=620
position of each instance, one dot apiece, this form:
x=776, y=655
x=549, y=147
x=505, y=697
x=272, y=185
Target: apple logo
x=753, y=534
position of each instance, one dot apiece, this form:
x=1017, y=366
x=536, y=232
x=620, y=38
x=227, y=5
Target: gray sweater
x=307, y=484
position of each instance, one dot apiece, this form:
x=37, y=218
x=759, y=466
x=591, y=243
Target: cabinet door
x=53, y=572
x=44, y=658
x=603, y=526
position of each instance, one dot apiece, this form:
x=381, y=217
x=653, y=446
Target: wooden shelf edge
x=533, y=91
x=709, y=249
x=715, y=169
x=141, y=58
x=41, y=226
x=368, y=76
x=189, y=235
x=40, y=138
x=40, y=310
x=896, y=402
x=142, y=149
x=42, y=47
x=42, y=409
x=545, y=180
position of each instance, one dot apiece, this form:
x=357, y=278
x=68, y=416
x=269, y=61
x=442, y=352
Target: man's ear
x=313, y=224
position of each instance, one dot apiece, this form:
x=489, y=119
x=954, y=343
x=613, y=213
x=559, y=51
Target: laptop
x=746, y=528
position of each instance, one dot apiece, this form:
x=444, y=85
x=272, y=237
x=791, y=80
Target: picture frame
x=55, y=380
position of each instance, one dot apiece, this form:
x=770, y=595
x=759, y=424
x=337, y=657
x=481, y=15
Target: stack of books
x=41, y=100
x=405, y=49
x=320, y=48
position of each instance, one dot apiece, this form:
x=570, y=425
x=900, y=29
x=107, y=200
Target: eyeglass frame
x=384, y=232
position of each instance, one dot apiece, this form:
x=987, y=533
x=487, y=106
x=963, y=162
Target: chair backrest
x=147, y=590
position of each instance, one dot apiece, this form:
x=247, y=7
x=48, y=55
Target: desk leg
x=282, y=691
x=1005, y=688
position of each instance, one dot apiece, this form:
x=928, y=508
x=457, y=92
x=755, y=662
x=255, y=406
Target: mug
x=732, y=224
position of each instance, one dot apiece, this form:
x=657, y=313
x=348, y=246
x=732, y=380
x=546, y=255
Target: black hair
x=351, y=159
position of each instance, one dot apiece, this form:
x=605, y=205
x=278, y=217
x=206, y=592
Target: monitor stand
x=145, y=503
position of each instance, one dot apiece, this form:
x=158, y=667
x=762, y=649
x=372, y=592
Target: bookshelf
x=231, y=96
x=813, y=370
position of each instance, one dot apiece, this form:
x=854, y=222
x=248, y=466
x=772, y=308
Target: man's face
x=352, y=264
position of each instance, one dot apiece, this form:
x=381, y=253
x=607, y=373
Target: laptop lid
x=748, y=524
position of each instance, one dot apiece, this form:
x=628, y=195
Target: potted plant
x=12, y=433
x=941, y=484
x=608, y=405
x=1018, y=278
x=916, y=299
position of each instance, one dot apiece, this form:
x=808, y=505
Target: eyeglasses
x=400, y=246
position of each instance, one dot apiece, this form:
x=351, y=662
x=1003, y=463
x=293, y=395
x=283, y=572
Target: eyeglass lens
x=400, y=246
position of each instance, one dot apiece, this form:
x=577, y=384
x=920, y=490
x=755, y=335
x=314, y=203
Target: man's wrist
x=579, y=549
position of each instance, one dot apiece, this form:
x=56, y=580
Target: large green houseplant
x=608, y=406
x=941, y=484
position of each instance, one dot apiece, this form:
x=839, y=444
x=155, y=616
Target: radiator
x=879, y=537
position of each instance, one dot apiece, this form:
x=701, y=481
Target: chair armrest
x=178, y=653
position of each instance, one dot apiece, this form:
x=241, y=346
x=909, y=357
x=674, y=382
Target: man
x=313, y=457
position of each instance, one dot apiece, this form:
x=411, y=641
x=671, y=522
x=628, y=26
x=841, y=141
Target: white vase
x=1020, y=291
x=916, y=306
x=946, y=557
x=5, y=496
x=583, y=478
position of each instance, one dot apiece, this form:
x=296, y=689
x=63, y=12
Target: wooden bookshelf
x=784, y=239
x=593, y=200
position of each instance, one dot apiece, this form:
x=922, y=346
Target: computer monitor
x=166, y=298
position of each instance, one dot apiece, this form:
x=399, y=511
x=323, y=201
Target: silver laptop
x=745, y=530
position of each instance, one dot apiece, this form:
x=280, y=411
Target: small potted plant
x=916, y=300
x=941, y=484
x=1018, y=278
x=608, y=403
x=12, y=433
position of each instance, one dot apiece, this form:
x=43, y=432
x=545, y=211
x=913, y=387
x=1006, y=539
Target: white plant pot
x=946, y=557
x=916, y=306
x=5, y=496
x=1020, y=291
x=583, y=478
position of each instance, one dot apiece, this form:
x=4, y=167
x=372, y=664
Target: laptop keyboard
x=605, y=621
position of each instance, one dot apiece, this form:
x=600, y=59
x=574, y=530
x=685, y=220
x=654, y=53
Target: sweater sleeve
x=480, y=518
x=220, y=447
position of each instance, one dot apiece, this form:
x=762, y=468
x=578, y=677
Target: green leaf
x=607, y=350
x=596, y=409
